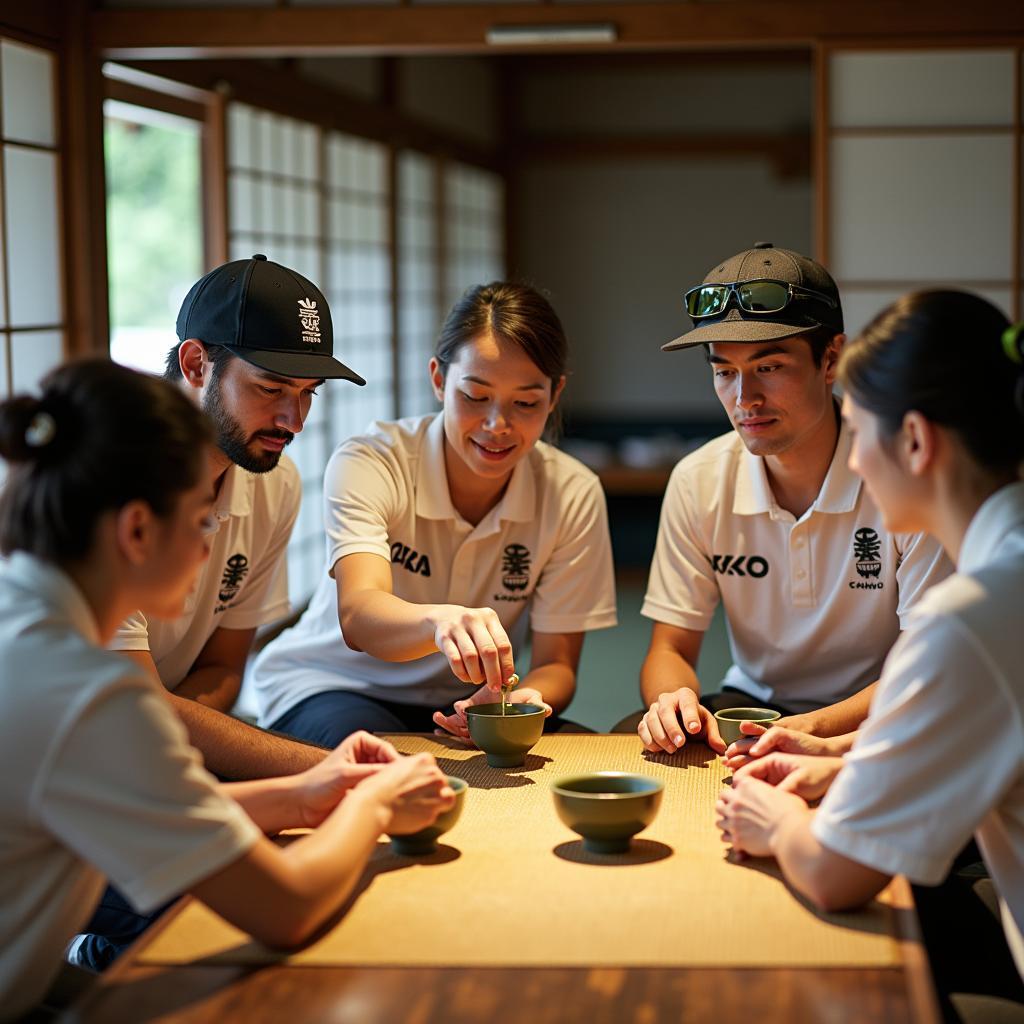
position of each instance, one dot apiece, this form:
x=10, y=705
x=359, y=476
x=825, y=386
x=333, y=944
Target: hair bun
x=33, y=429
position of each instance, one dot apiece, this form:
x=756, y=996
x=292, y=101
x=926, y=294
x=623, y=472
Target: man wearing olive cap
x=770, y=520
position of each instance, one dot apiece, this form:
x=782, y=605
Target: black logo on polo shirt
x=403, y=555
x=740, y=565
x=515, y=567
x=515, y=573
x=867, y=549
x=236, y=569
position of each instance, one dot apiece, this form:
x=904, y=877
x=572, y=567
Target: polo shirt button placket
x=460, y=581
x=800, y=569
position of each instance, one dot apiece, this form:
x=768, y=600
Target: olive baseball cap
x=802, y=313
x=266, y=314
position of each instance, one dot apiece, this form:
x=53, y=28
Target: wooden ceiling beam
x=285, y=92
x=38, y=22
x=132, y=34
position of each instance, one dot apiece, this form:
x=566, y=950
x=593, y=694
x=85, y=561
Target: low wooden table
x=221, y=981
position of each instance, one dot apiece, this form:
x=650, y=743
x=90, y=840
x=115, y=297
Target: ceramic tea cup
x=607, y=808
x=425, y=841
x=505, y=738
x=729, y=721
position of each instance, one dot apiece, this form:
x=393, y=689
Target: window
x=474, y=228
x=32, y=317
x=419, y=271
x=154, y=227
x=316, y=201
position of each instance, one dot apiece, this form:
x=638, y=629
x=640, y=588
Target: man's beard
x=232, y=441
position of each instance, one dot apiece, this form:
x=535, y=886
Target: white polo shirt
x=97, y=782
x=812, y=604
x=243, y=584
x=942, y=753
x=544, y=546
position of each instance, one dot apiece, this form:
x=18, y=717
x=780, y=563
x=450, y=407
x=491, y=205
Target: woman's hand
x=676, y=717
x=475, y=643
x=321, y=787
x=412, y=789
x=807, y=776
x=750, y=812
x=778, y=738
x=458, y=724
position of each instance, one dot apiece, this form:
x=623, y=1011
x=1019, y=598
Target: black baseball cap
x=802, y=314
x=266, y=314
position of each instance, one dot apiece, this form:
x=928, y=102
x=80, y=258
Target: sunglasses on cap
x=761, y=295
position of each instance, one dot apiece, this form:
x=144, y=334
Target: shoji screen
x=419, y=270
x=32, y=317
x=923, y=168
x=316, y=201
x=474, y=228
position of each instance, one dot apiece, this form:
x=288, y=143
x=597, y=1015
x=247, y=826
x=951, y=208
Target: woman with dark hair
x=442, y=532
x=935, y=395
x=103, y=511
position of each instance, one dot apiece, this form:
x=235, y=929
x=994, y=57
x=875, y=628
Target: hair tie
x=42, y=429
x=1013, y=343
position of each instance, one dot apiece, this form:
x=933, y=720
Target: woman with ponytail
x=103, y=511
x=935, y=395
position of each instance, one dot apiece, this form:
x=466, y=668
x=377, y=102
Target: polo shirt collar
x=235, y=495
x=839, y=490
x=56, y=588
x=433, y=499
x=999, y=514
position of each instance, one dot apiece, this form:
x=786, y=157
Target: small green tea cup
x=607, y=808
x=419, y=843
x=729, y=721
x=505, y=738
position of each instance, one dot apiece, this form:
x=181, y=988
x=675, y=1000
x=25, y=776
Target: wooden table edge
x=924, y=1003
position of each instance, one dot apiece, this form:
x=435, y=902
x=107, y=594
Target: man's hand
x=357, y=757
x=799, y=723
x=807, y=776
x=750, y=812
x=458, y=724
x=765, y=741
x=675, y=717
x=414, y=791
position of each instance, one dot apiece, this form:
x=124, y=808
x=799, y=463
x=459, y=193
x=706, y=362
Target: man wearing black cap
x=256, y=341
x=769, y=520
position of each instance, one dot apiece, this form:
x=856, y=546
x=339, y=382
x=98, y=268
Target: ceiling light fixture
x=550, y=35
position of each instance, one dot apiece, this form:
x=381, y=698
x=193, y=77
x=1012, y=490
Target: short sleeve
x=681, y=590
x=127, y=793
x=361, y=493
x=922, y=564
x=131, y=635
x=576, y=588
x=936, y=754
x=265, y=596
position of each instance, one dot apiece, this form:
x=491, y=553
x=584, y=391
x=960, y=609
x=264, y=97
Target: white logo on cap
x=309, y=318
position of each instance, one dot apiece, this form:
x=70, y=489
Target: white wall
x=618, y=242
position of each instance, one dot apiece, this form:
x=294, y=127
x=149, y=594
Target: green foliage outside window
x=154, y=225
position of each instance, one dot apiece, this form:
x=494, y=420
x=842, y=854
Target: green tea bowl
x=505, y=739
x=416, y=844
x=607, y=808
x=729, y=721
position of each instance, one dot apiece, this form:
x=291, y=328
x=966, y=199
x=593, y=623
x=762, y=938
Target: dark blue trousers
x=327, y=718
